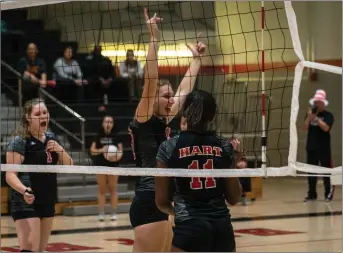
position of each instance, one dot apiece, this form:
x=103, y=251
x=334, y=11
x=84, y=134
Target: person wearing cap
x=318, y=123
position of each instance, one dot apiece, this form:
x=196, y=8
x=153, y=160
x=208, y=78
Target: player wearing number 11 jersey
x=202, y=219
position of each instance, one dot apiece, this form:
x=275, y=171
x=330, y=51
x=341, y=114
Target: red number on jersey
x=210, y=182
x=49, y=158
x=196, y=182
x=132, y=143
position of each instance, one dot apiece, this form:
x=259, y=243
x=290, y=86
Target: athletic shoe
x=113, y=217
x=101, y=217
x=244, y=201
x=309, y=198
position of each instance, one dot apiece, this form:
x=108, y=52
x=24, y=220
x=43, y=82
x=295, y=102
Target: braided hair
x=199, y=110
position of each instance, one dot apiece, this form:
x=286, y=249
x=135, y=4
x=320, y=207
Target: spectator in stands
x=318, y=123
x=132, y=71
x=68, y=76
x=101, y=75
x=33, y=73
x=100, y=151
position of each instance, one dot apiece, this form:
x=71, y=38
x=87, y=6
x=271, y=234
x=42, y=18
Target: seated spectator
x=101, y=75
x=33, y=73
x=132, y=71
x=68, y=77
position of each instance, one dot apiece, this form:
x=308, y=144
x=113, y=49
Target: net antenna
x=293, y=149
x=263, y=109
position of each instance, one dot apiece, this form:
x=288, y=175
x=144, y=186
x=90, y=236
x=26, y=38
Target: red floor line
x=282, y=243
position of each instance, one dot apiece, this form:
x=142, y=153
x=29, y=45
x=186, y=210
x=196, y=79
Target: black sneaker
x=309, y=198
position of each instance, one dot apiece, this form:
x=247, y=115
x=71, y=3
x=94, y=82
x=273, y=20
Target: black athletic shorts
x=143, y=210
x=34, y=211
x=197, y=235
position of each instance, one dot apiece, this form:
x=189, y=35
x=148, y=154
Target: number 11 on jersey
x=196, y=182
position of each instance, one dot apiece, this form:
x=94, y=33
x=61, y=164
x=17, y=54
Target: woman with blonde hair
x=34, y=195
x=149, y=128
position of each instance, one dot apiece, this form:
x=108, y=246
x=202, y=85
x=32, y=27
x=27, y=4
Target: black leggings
x=324, y=160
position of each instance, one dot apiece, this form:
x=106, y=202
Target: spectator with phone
x=318, y=123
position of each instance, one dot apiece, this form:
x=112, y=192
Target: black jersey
x=198, y=197
x=147, y=138
x=44, y=185
x=102, y=140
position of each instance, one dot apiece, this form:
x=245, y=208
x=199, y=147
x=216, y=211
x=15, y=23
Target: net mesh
x=249, y=67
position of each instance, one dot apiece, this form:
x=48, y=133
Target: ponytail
x=199, y=109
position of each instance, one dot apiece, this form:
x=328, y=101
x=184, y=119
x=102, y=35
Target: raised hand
x=152, y=24
x=197, y=49
x=235, y=144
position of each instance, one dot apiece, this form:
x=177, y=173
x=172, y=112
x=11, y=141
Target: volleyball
x=112, y=154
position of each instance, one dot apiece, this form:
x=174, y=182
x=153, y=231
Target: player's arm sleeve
x=17, y=145
x=162, y=155
x=166, y=150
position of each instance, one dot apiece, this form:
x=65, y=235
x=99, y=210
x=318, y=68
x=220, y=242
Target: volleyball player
x=107, y=136
x=202, y=219
x=157, y=105
x=34, y=194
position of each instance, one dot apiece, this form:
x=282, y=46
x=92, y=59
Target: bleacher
x=77, y=194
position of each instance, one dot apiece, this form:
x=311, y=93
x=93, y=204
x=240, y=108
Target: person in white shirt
x=132, y=71
x=68, y=77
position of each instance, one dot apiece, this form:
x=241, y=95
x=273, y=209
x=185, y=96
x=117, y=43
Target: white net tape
x=290, y=170
x=171, y=172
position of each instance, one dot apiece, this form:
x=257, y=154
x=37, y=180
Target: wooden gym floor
x=279, y=222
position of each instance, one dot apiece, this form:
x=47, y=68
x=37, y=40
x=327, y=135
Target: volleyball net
x=254, y=67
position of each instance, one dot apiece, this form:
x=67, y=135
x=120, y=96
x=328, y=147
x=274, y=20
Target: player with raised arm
x=157, y=107
x=202, y=218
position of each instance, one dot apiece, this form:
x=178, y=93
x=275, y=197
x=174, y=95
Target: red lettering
x=196, y=151
x=184, y=152
x=207, y=150
x=49, y=158
x=217, y=151
x=167, y=130
x=132, y=143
